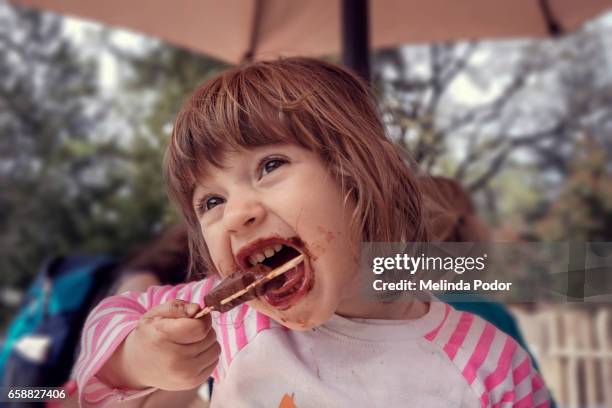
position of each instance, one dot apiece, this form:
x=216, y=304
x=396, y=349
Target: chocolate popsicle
x=241, y=287
x=230, y=285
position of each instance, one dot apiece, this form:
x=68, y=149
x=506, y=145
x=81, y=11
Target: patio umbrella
x=236, y=30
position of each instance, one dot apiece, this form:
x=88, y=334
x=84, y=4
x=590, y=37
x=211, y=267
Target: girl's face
x=267, y=200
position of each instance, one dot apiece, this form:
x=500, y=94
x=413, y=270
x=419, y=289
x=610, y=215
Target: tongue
x=291, y=277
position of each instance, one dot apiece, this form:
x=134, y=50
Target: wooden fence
x=573, y=345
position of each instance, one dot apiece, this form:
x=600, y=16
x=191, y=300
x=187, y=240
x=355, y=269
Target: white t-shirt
x=377, y=363
x=346, y=363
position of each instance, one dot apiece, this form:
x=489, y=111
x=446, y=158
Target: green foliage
x=48, y=114
x=583, y=209
x=66, y=184
x=174, y=73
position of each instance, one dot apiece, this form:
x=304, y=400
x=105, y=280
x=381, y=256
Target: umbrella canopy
x=234, y=30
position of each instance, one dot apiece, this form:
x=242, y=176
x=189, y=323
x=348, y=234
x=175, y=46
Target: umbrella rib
x=552, y=23
x=249, y=54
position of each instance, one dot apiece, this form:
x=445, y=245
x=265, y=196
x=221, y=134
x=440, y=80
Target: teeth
x=268, y=252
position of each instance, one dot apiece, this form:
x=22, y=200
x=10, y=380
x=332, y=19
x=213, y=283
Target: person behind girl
x=289, y=156
x=162, y=260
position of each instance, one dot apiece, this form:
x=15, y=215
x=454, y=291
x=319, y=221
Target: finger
x=174, y=308
x=188, y=369
x=184, y=330
x=206, y=372
x=195, y=349
x=209, y=356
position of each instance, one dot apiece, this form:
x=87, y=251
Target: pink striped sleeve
x=514, y=381
x=106, y=328
x=458, y=336
x=492, y=363
x=508, y=378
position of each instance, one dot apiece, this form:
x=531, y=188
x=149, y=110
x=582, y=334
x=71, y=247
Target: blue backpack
x=42, y=340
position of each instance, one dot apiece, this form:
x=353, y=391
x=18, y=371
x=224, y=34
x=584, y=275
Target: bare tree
x=541, y=95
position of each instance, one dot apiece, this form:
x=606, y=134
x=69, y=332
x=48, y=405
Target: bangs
x=240, y=110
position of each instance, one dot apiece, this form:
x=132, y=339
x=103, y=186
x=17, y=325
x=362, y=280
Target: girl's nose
x=243, y=213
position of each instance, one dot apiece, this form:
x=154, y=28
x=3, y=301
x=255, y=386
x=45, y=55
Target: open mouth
x=287, y=289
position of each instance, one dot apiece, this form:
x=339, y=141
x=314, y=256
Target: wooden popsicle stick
x=204, y=312
x=267, y=278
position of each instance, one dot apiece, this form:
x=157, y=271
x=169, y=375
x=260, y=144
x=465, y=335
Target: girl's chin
x=299, y=324
x=300, y=327
x=303, y=311
x=303, y=317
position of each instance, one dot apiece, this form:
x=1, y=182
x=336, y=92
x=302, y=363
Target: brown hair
x=450, y=212
x=166, y=257
x=314, y=104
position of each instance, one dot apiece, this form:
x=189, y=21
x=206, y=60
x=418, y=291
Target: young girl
x=288, y=157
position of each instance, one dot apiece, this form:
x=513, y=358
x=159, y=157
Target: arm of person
x=105, y=330
x=514, y=381
x=140, y=282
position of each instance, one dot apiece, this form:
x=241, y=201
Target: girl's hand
x=169, y=350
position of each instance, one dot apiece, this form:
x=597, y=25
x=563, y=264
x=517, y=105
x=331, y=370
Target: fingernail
x=191, y=309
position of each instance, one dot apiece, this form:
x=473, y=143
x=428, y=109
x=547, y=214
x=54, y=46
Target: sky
x=90, y=37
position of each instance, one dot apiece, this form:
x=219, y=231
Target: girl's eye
x=209, y=203
x=268, y=165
